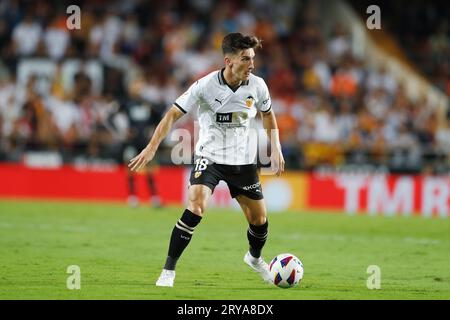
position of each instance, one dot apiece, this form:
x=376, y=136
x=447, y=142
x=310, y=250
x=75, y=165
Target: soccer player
x=143, y=119
x=227, y=101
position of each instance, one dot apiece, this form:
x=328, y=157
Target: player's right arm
x=182, y=105
x=162, y=130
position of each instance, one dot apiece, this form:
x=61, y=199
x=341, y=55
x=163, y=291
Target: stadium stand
x=75, y=93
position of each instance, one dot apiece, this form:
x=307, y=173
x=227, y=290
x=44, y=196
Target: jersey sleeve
x=190, y=98
x=264, y=103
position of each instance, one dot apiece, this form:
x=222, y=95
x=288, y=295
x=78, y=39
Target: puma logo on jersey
x=218, y=101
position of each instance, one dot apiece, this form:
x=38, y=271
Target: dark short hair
x=234, y=42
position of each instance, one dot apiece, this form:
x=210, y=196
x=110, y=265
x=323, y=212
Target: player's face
x=242, y=64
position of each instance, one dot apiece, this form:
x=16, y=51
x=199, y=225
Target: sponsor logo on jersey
x=224, y=117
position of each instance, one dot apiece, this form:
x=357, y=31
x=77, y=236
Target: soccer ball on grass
x=286, y=270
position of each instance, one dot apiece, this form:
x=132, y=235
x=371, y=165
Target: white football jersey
x=227, y=134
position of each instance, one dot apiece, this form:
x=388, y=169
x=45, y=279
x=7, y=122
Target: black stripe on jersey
x=222, y=81
x=219, y=76
x=270, y=108
x=177, y=105
x=222, y=78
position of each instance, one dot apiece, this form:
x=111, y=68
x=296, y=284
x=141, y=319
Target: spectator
x=27, y=36
x=332, y=105
x=56, y=38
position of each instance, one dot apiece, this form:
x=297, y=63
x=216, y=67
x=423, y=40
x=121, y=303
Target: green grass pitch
x=120, y=252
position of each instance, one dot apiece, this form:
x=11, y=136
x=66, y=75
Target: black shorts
x=241, y=179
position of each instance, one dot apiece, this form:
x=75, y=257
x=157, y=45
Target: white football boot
x=166, y=278
x=259, y=265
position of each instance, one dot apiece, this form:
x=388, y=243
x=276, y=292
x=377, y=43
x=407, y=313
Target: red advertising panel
x=68, y=182
x=373, y=194
x=380, y=194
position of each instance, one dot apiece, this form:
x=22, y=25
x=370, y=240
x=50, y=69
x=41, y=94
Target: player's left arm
x=271, y=126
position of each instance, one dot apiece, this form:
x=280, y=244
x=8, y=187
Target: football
x=286, y=270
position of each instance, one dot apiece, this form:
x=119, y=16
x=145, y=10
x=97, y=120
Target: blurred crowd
x=422, y=29
x=136, y=57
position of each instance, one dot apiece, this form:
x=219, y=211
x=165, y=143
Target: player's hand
x=277, y=161
x=138, y=162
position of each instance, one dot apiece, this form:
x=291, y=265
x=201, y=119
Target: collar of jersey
x=223, y=82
